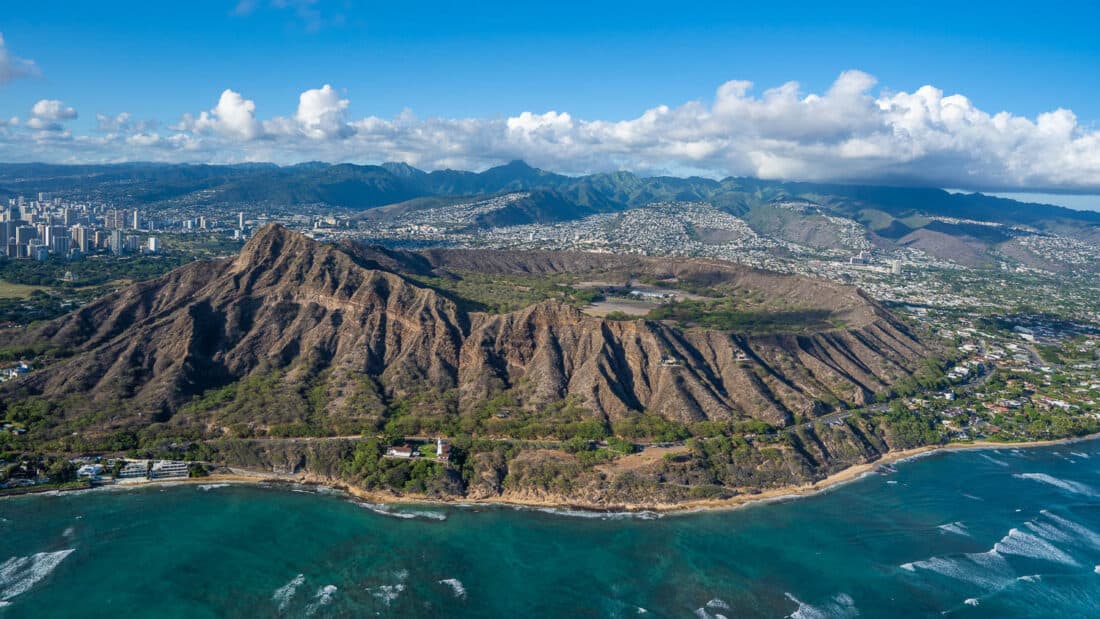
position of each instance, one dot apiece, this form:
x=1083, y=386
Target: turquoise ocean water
x=996, y=533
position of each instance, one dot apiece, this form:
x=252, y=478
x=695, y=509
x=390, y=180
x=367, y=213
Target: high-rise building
x=202, y=222
x=153, y=245
x=54, y=232
x=81, y=238
x=117, y=242
x=7, y=239
x=60, y=245
x=240, y=220
x=116, y=218
x=137, y=220
x=24, y=234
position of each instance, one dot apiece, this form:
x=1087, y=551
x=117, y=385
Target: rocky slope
x=338, y=334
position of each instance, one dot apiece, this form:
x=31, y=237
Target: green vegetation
x=92, y=271
x=507, y=293
x=9, y=290
x=727, y=314
x=369, y=468
x=33, y=290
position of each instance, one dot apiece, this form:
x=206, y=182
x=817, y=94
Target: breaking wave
x=386, y=510
x=841, y=605
x=209, y=487
x=456, y=587
x=19, y=574
x=718, y=604
x=992, y=459
x=387, y=593
x=992, y=571
x=580, y=513
x=285, y=593
x=321, y=599
x=984, y=569
x=1024, y=544
x=958, y=528
x=1068, y=486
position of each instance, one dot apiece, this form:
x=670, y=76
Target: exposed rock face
x=291, y=304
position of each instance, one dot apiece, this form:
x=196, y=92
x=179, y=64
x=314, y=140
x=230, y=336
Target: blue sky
x=491, y=61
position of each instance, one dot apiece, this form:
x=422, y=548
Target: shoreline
x=774, y=495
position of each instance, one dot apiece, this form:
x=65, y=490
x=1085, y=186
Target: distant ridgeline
x=886, y=211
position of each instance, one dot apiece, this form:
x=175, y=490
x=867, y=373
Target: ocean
x=989, y=533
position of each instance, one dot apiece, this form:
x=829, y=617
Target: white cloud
x=321, y=114
x=111, y=124
x=12, y=67
x=48, y=115
x=847, y=133
x=233, y=116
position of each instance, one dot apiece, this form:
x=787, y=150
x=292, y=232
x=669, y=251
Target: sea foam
x=1082, y=533
x=456, y=587
x=209, y=487
x=387, y=593
x=580, y=513
x=958, y=528
x=718, y=604
x=993, y=460
x=1069, y=486
x=386, y=510
x=321, y=599
x=19, y=574
x=840, y=606
x=285, y=593
x=1025, y=544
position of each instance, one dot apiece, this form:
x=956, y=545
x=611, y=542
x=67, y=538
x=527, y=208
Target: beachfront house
x=168, y=468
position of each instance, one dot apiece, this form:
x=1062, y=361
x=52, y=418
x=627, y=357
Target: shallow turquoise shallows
x=997, y=533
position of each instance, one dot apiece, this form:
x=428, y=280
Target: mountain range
x=930, y=219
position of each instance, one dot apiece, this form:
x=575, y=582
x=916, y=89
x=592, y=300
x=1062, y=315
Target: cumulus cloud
x=233, y=117
x=13, y=67
x=49, y=114
x=321, y=114
x=849, y=132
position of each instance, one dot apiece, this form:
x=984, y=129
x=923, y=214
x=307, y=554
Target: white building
x=168, y=468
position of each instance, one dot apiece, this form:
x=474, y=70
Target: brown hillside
x=337, y=326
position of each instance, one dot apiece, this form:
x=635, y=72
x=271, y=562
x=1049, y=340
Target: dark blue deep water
x=995, y=533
